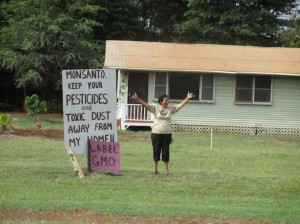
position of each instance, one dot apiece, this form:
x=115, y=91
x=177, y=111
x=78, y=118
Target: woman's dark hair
x=161, y=98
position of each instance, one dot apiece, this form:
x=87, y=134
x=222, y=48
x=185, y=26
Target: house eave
x=202, y=71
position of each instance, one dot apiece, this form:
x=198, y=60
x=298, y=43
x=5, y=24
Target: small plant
x=34, y=106
x=5, y=122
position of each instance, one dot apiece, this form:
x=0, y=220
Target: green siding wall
x=284, y=111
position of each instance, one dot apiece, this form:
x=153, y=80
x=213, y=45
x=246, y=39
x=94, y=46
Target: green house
x=242, y=89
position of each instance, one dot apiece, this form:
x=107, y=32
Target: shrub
x=34, y=106
x=5, y=121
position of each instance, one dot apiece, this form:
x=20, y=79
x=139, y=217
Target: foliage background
x=39, y=38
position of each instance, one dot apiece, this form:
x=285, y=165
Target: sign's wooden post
x=74, y=161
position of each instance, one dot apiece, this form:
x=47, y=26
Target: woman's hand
x=142, y=102
x=134, y=96
x=190, y=95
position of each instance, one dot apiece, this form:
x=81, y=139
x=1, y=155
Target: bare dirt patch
x=59, y=134
x=47, y=133
x=80, y=216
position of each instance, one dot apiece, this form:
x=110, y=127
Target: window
x=262, y=89
x=160, y=84
x=253, y=89
x=207, y=84
x=177, y=84
x=180, y=84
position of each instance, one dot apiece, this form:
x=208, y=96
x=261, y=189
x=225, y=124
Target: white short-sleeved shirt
x=162, y=118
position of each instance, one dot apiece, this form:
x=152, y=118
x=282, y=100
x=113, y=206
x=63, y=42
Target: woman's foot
x=155, y=167
x=166, y=168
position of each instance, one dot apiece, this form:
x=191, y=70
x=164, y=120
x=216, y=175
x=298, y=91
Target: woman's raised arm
x=183, y=102
x=140, y=101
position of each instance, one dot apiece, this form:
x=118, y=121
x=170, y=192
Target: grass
x=21, y=122
x=242, y=176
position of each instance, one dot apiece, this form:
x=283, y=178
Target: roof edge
x=205, y=71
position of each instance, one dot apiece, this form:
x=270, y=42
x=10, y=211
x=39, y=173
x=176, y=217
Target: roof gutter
x=207, y=71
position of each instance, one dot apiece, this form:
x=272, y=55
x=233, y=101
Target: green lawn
x=242, y=176
x=21, y=121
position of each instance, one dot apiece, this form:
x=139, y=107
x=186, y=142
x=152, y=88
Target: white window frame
x=253, y=88
x=166, y=85
x=200, y=88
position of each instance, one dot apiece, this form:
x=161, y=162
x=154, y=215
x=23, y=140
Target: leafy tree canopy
x=161, y=17
x=291, y=36
x=120, y=20
x=42, y=37
x=39, y=38
x=240, y=22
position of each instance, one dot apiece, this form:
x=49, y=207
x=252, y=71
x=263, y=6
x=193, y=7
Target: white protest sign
x=89, y=102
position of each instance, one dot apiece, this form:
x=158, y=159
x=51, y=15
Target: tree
x=161, y=18
x=141, y=20
x=291, y=36
x=120, y=20
x=240, y=22
x=42, y=37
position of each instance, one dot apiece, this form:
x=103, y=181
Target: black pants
x=161, y=145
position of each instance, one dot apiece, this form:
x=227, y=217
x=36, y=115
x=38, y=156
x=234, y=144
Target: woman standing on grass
x=161, y=135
